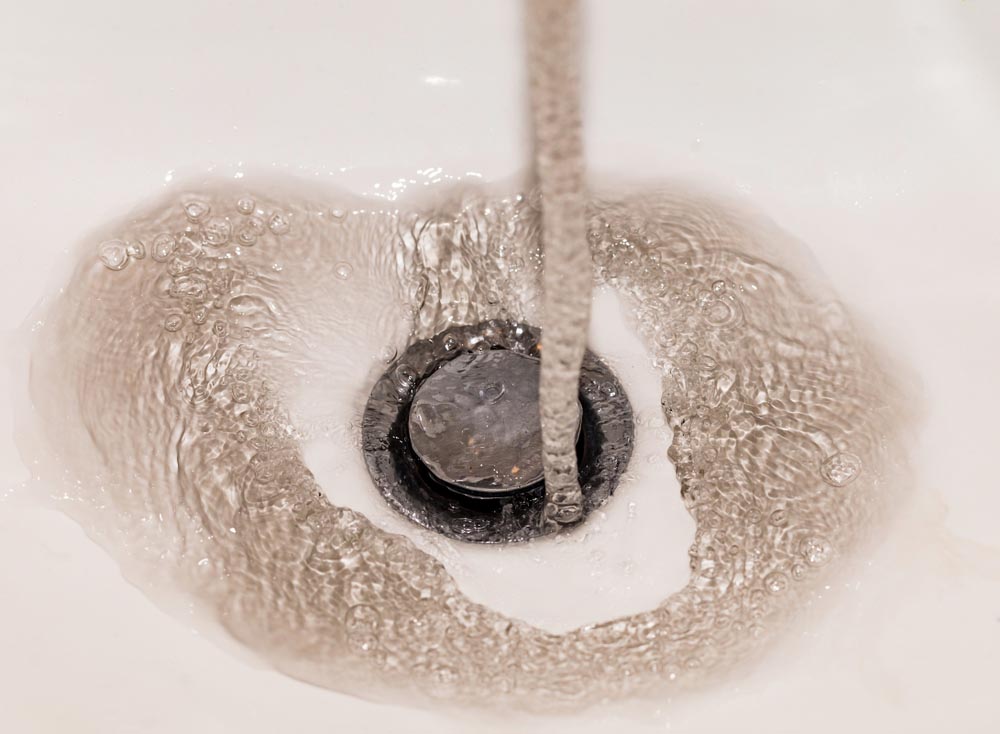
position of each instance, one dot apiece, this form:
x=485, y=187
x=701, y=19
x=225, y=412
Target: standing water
x=171, y=376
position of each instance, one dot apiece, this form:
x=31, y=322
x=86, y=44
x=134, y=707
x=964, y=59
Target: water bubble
x=450, y=343
x=344, y=270
x=173, y=322
x=220, y=327
x=136, y=249
x=250, y=231
x=246, y=205
x=248, y=306
x=840, y=469
x=816, y=550
x=338, y=213
x=387, y=354
x=719, y=287
x=217, y=232
x=240, y=392
x=405, y=375
x=180, y=265
x=776, y=582
x=279, y=223
x=721, y=312
x=163, y=246
x=196, y=211
x=114, y=254
x=187, y=247
x=492, y=392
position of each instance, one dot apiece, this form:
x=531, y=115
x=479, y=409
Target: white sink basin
x=869, y=132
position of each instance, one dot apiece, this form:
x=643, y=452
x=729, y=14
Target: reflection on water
x=167, y=375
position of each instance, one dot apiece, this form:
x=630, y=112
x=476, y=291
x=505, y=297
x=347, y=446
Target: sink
x=866, y=132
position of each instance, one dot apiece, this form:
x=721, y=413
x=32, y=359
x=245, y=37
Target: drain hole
x=452, y=441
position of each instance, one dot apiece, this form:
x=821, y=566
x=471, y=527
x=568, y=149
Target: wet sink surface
x=865, y=133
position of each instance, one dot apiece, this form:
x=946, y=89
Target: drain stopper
x=452, y=439
x=474, y=423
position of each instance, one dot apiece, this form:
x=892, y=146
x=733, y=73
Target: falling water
x=553, y=48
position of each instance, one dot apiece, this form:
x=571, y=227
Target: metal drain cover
x=474, y=423
x=452, y=440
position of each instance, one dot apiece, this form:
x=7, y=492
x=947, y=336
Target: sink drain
x=452, y=440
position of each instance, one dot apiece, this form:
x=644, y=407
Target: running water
x=208, y=337
x=553, y=29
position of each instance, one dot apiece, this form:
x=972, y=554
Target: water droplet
x=344, y=270
x=196, y=211
x=816, y=550
x=114, y=254
x=217, y=232
x=163, y=246
x=338, y=213
x=246, y=205
x=718, y=287
x=840, y=469
x=173, y=322
x=279, y=223
x=776, y=582
x=450, y=343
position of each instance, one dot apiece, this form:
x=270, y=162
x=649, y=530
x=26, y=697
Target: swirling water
x=175, y=374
